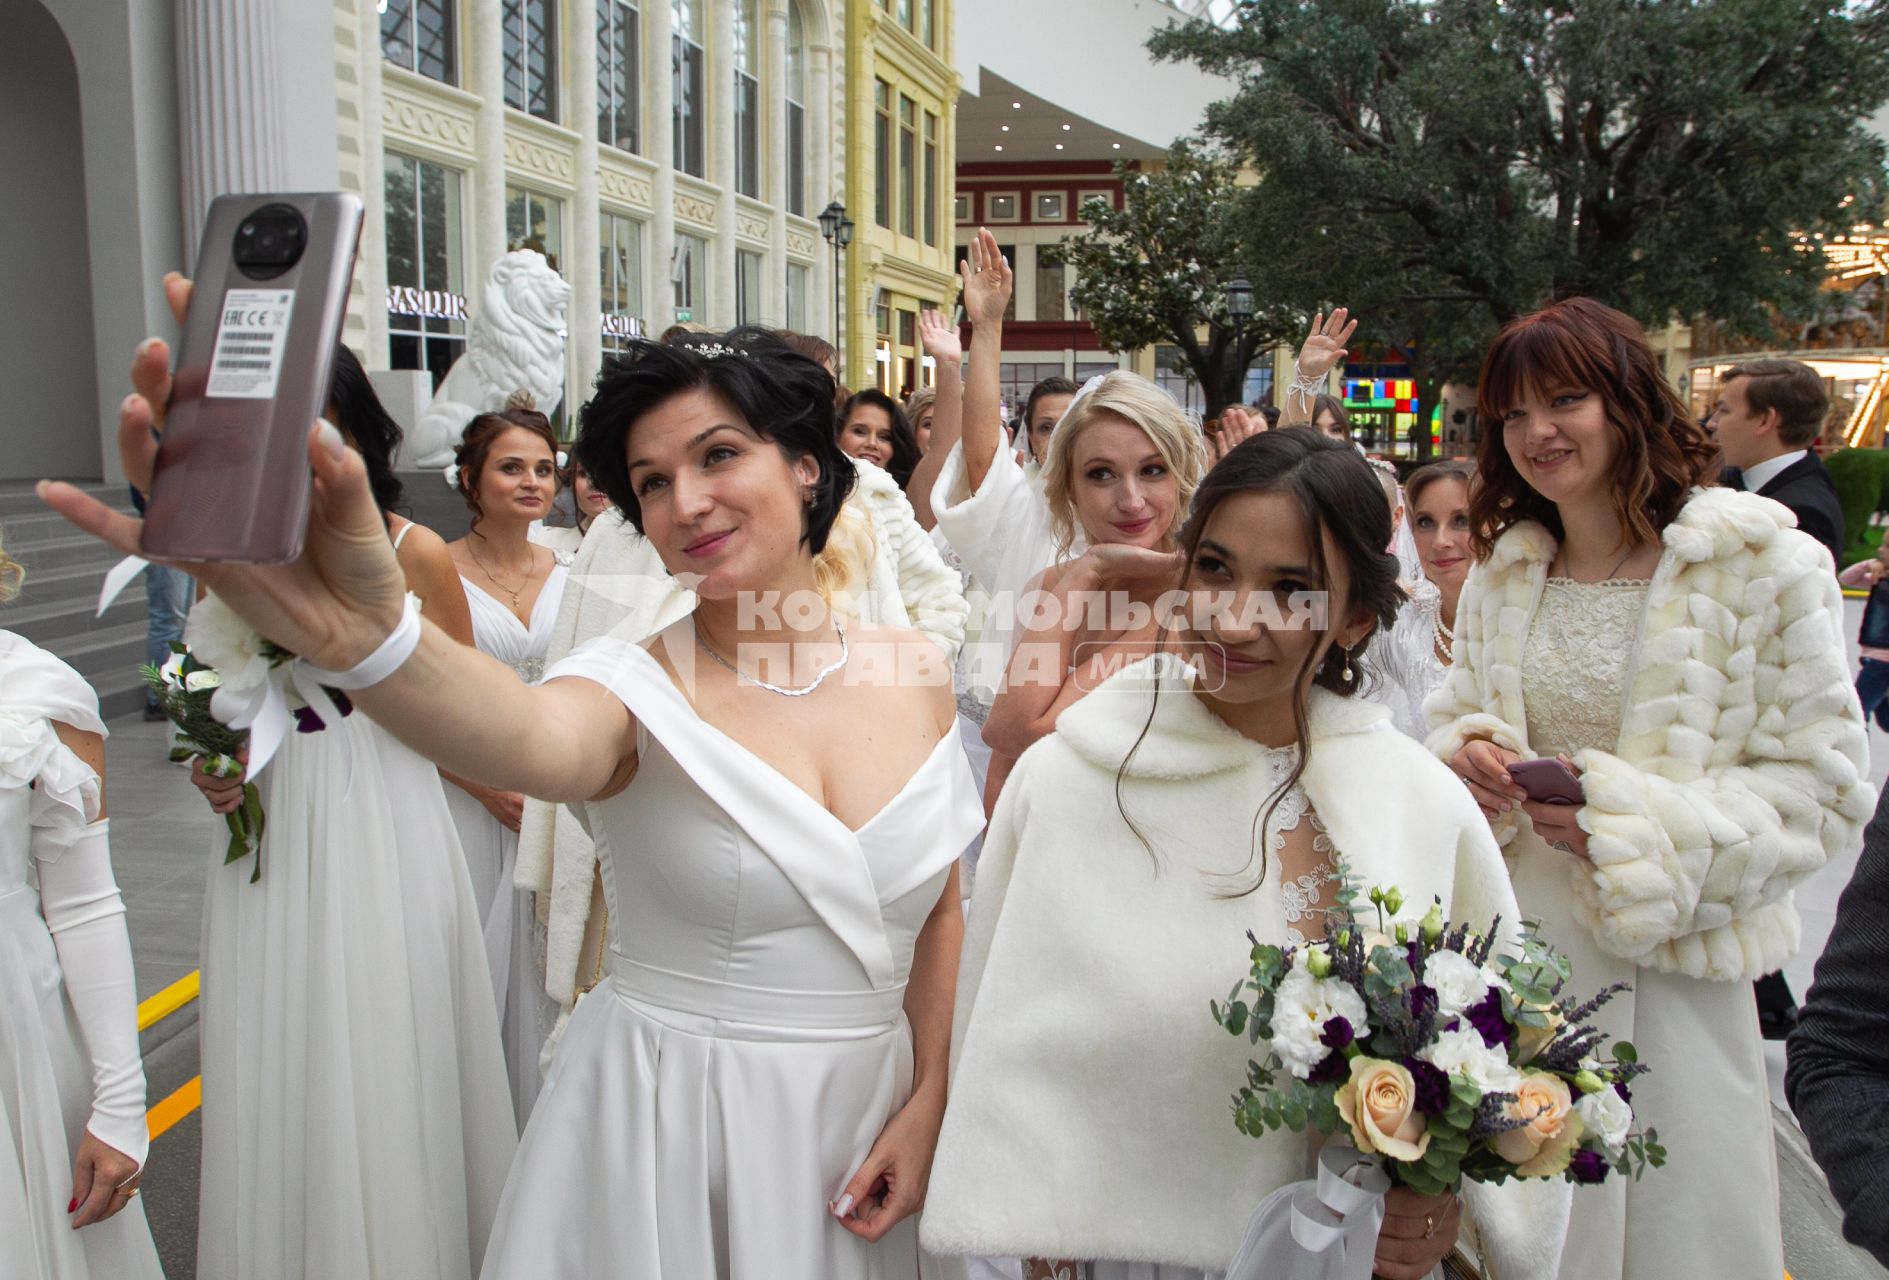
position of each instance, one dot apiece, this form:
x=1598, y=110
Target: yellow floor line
x=169, y=1000
x=174, y=1108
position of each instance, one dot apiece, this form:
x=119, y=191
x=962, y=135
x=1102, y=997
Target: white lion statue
x=514, y=342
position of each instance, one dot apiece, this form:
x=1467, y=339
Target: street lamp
x=1239, y=293
x=838, y=230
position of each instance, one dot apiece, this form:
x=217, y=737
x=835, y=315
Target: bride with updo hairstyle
x=757, y=1088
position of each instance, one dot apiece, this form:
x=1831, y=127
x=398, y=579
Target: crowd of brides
x=788, y=869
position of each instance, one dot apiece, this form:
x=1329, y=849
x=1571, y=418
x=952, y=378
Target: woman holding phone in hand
x=1681, y=648
x=758, y=1089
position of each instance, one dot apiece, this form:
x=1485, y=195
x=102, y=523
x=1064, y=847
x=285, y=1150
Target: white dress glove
x=86, y=917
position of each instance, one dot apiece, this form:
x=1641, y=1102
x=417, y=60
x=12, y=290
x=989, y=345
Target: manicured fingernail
x=842, y=1206
x=74, y=1206
x=146, y=345
x=129, y=403
x=331, y=440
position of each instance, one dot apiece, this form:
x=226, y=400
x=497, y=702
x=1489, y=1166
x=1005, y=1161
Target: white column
x=721, y=164
x=585, y=344
x=370, y=266
x=822, y=182
x=659, y=132
x=774, y=147
x=487, y=79
x=229, y=105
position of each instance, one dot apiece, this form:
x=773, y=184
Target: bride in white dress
x=356, y=1120
x=507, y=473
x=71, y=1081
x=1406, y=664
x=760, y=1094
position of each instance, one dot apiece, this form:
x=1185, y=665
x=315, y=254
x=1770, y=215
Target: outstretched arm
x=987, y=285
x=940, y=339
x=1324, y=350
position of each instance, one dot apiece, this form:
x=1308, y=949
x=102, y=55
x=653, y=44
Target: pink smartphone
x=1548, y=781
x=253, y=368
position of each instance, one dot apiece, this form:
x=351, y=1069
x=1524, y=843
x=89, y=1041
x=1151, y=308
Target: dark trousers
x=1872, y=689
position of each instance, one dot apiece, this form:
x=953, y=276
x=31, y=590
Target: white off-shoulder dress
x=48, y=1094
x=720, y=1088
x=507, y=916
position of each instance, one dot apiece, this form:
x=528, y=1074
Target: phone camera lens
x=249, y=228
x=269, y=241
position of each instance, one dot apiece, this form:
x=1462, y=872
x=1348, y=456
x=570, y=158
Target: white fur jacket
x=1742, y=763
x=618, y=586
x=1088, y=1109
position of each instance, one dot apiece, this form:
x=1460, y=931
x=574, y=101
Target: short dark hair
x=905, y=453
x=784, y=396
x=1791, y=387
x=367, y=424
x=1056, y=385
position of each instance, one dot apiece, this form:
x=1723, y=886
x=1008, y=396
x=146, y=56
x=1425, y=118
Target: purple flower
x=1626, y=1094
x=1337, y=1033
x=1335, y=1069
x=1413, y=955
x=1433, y=1086
x=1589, y=1168
x=1486, y=1017
x=306, y=721
x=1422, y=1002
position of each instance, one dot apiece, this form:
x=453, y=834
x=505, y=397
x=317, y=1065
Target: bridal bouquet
x=1433, y=1052
x=183, y=688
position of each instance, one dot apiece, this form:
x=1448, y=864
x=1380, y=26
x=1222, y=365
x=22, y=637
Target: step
x=71, y=550
x=17, y=497
x=54, y=624
x=108, y=653
x=24, y=530
x=78, y=582
x=120, y=696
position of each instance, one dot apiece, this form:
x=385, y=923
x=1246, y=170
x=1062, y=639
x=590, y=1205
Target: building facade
x=668, y=157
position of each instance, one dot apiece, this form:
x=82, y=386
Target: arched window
x=795, y=197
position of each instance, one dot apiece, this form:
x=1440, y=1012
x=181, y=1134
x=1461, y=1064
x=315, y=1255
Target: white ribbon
x=117, y=578
x=1320, y=1229
x=257, y=699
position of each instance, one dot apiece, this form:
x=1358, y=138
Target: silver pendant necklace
x=782, y=690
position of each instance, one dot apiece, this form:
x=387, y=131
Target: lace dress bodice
x=1400, y=666
x=1574, y=663
x=1300, y=850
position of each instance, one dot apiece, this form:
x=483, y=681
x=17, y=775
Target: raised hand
x=1324, y=347
x=987, y=280
x=939, y=336
x=1116, y=564
x=1236, y=424
x=334, y=604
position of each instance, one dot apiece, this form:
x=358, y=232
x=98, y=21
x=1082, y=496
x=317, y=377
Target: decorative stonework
x=750, y=227
x=430, y=123
x=800, y=245
x=695, y=209
x=523, y=155
x=626, y=188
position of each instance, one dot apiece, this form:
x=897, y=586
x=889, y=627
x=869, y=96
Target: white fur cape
x=1742, y=764
x=618, y=587
x=1088, y=1114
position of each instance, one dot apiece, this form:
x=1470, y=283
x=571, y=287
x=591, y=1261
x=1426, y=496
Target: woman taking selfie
x=758, y=1090
x=1682, y=649
x=1171, y=811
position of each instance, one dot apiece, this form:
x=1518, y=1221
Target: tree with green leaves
x=1445, y=165
x=1156, y=270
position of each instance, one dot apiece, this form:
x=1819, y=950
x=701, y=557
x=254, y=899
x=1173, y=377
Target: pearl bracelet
x=384, y=661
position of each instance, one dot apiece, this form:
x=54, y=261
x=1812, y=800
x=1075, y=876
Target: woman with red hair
x=1679, y=649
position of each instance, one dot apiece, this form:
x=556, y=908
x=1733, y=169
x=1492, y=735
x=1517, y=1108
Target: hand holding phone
x=1548, y=781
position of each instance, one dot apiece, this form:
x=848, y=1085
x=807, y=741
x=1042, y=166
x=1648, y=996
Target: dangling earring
x=1347, y=653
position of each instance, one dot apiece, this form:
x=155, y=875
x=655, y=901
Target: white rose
x=1608, y=1117
x=1458, y=984
x=1301, y=1007
x=197, y=680
x=1462, y=1052
x=217, y=637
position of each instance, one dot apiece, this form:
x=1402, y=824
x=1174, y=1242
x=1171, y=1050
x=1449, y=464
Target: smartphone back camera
x=269, y=241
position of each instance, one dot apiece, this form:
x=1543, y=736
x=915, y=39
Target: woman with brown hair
x=1407, y=664
x=507, y=472
x=1679, y=648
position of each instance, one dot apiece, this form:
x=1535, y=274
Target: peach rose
x=1530, y=1041
x=1379, y=1102
x=1545, y=1143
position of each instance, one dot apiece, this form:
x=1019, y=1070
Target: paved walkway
x=163, y=838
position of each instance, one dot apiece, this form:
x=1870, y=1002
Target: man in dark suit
x=1767, y=418
x=1768, y=415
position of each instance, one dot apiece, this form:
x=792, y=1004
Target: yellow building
x=901, y=96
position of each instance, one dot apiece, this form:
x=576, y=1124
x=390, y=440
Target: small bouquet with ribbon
x=184, y=688
x=1438, y=1055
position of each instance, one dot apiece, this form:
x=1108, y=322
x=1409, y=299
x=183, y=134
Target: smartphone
x=252, y=374
x=1548, y=781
